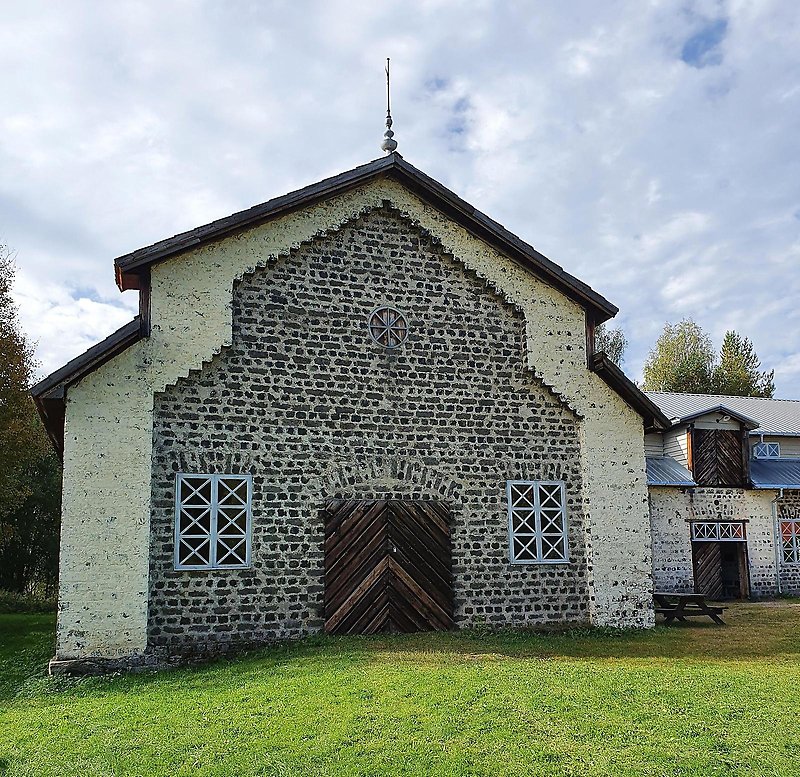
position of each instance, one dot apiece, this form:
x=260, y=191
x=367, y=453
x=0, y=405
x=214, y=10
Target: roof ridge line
x=721, y=396
x=427, y=189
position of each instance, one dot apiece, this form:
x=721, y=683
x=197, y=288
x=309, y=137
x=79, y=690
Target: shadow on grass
x=769, y=630
x=753, y=631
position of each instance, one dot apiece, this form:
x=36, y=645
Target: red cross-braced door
x=387, y=566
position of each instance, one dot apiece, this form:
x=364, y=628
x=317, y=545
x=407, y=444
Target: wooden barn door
x=707, y=560
x=735, y=579
x=387, y=566
x=717, y=458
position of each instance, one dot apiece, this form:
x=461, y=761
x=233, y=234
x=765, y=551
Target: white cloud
x=64, y=324
x=670, y=184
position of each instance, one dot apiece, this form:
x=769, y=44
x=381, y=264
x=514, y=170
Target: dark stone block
x=308, y=403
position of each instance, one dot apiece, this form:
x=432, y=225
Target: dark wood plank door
x=707, y=562
x=735, y=577
x=717, y=457
x=387, y=566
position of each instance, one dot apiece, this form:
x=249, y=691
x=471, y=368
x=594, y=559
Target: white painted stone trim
x=109, y=417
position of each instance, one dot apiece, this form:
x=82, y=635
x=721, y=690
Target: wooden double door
x=387, y=566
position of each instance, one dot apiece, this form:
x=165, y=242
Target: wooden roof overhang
x=745, y=421
x=133, y=272
x=50, y=394
x=130, y=267
x=654, y=419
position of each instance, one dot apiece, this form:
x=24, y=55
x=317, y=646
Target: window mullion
x=562, y=498
x=213, y=520
x=510, y=504
x=537, y=520
x=248, y=522
x=178, y=505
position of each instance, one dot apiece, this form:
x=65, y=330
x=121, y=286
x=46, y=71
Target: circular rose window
x=388, y=327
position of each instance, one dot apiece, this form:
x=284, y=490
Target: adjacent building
x=724, y=483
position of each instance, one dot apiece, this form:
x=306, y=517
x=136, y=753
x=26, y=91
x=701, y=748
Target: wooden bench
x=676, y=606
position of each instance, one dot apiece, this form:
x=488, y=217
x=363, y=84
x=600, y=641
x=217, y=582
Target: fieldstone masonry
x=671, y=510
x=304, y=400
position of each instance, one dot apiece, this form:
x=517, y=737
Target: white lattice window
x=212, y=521
x=537, y=522
x=790, y=541
x=767, y=450
x=718, y=531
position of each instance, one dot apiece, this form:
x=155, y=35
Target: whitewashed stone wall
x=671, y=509
x=108, y=439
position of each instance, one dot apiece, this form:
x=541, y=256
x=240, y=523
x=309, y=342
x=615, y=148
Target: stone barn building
x=363, y=406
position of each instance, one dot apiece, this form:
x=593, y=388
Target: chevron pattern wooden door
x=717, y=455
x=387, y=566
x=707, y=560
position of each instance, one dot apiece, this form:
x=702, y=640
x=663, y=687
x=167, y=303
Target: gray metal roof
x=775, y=473
x=664, y=471
x=775, y=416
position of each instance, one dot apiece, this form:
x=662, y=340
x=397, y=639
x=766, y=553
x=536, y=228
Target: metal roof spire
x=389, y=143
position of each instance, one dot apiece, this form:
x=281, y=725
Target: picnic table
x=677, y=606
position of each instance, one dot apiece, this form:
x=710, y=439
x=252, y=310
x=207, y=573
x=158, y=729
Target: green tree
x=612, y=342
x=682, y=359
x=738, y=373
x=29, y=470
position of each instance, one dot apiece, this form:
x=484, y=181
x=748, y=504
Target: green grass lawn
x=696, y=700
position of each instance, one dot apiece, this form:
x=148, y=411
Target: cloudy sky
x=651, y=148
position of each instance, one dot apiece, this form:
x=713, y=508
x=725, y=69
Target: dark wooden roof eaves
x=53, y=386
x=393, y=166
x=50, y=394
x=501, y=238
x=653, y=417
x=250, y=217
x=52, y=413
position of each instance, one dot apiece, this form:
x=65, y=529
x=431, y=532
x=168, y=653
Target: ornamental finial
x=389, y=143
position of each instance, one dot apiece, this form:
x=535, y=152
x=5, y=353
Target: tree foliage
x=738, y=373
x=612, y=342
x=683, y=359
x=29, y=470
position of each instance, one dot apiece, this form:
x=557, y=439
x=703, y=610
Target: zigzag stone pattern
x=308, y=403
x=192, y=309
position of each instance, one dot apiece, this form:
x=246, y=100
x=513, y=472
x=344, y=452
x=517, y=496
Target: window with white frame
x=790, y=540
x=537, y=522
x=767, y=450
x=212, y=521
